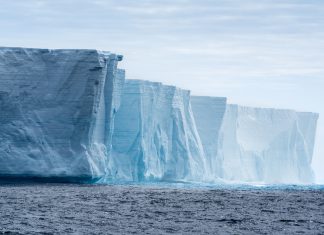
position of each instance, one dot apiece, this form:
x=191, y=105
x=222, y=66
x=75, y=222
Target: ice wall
x=208, y=113
x=245, y=144
x=155, y=137
x=57, y=109
x=266, y=145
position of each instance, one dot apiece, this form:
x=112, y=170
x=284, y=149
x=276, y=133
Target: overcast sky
x=267, y=53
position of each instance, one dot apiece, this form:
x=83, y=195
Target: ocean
x=175, y=208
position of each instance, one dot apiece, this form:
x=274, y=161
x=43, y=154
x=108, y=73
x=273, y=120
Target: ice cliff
x=70, y=115
x=267, y=145
x=155, y=137
x=256, y=144
x=208, y=113
x=57, y=110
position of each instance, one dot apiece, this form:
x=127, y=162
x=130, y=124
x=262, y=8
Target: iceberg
x=57, y=112
x=257, y=145
x=70, y=115
x=155, y=137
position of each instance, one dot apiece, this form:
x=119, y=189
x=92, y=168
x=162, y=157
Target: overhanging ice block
x=57, y=110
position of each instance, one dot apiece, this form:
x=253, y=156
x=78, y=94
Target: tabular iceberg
x=155, y=137
x=70, y=115
x=57, y=110
x=256, y=144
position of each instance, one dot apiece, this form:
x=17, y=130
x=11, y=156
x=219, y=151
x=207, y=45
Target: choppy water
x=160, y=209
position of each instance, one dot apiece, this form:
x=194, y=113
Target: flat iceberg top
x=147, y=84
x=269, y=109
x=51, y=50
x=106, y=54
x=208, y=98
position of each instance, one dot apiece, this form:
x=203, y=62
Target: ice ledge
x=247, y=107
x=46, y=50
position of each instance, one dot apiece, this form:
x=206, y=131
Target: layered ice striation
x=256, y=144
x=155, y=136
x=56, y=112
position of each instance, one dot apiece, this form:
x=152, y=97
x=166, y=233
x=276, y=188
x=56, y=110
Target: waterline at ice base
x=70, y=116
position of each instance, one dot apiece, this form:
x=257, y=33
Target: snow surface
x=56, y=111
x=155, y=137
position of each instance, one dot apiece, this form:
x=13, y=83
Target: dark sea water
x=160, y=209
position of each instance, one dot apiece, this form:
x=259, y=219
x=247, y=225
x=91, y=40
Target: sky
x=264, y=53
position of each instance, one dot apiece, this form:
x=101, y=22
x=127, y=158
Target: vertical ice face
x=246, y=144
x=57, y=109
x=266, y=145
x=155, y=137
x=68, y=113
x=209, y=113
